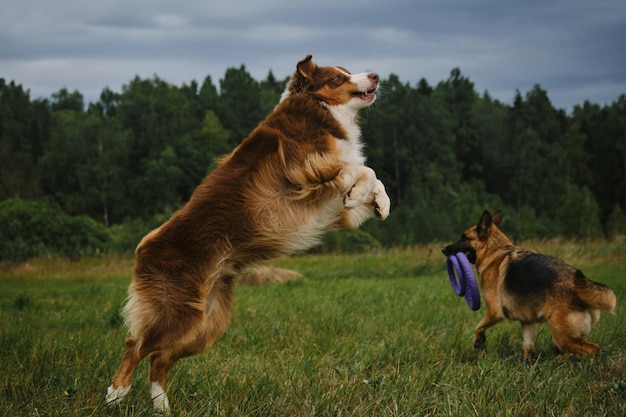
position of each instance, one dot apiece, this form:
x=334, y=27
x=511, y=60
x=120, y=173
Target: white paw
x=382, y=204
x=361, y=190
x=159, y=398
x=115, y=395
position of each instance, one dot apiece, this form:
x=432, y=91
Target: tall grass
x=378, y=334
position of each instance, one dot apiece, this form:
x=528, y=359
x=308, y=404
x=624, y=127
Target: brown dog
x=300, y=173
x=526, y=286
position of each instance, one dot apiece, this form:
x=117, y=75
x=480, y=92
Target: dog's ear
x=497, y=218
x=483, y=226
x=306, y=67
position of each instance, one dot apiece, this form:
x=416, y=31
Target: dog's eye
x=337, y=79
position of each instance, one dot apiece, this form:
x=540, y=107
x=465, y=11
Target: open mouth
x=471, y=256
x=368, y=95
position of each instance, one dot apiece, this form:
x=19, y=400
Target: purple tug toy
x=466, y=285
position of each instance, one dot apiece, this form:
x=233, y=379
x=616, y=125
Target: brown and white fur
x=529, y=287
x=299, y=174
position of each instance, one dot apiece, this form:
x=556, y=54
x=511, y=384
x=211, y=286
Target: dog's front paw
x=364, y=183
x=480, y=345
x=382, y=204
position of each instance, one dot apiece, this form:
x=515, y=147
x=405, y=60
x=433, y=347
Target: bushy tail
x=594, y=294
x=261, y=274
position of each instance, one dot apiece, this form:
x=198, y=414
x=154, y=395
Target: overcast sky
x=574, y=49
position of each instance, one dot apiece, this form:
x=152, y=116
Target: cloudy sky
x=574, y=49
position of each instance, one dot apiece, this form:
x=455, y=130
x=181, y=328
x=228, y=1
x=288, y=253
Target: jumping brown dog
x=529, y=287
x=299, y=174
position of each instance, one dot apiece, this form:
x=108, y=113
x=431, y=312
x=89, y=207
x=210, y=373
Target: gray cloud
x=572, y=48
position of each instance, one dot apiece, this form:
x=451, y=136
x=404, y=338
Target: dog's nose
x=443, y=250
x=373, y=76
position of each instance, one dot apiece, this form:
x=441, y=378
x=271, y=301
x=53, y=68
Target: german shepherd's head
x=474, y=240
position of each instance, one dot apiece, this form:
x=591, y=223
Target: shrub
x=616, y=224
x=31, y=229
x=126, y=236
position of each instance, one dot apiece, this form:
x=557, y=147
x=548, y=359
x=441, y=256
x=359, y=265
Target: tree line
x=445, y=152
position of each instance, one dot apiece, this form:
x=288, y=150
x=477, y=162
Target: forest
x=445, y=152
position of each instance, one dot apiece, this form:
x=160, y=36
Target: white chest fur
x=351, y=149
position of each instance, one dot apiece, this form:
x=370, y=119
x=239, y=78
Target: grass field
x=378, y=334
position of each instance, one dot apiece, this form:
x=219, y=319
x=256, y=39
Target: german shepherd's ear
x=497, y=218
x=483, y=226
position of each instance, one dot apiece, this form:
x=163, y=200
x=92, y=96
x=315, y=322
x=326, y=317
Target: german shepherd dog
x=529, y=287
x=299, y=174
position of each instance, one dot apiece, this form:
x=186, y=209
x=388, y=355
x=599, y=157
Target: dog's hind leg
x=488, y=320
x=123, y=378
x=569, y=329
x=217, y=319
x=160, y=364
x=528, y=335
x=219, y=301
x=575, y=345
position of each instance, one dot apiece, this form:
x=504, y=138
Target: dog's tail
x=261, y=274
x=594, y=294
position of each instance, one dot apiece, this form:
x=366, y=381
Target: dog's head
x=334, y=86
x=474, y=238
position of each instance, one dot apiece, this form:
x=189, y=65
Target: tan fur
x=261, y=274
x=299, y=174
x=528, y=287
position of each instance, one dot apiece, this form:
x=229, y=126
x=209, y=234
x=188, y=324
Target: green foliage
x=29, y=229
x=616, y=224
x=82, y=164
x=444, y=153
x=239, y=107
x=126, y=236
x=23, y=127
x=578, y=214
x=605, y=146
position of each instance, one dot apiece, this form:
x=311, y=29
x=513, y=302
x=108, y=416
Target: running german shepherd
x=526, y=286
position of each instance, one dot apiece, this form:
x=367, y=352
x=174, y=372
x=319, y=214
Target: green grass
x=378, y=334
